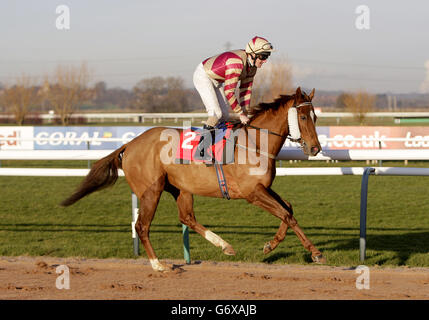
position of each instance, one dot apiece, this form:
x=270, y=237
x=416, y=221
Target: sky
x=129, y=40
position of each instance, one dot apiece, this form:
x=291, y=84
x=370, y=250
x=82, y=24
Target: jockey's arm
x=232, y=75
x=246, y=92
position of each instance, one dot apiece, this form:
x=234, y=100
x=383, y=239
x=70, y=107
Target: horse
x=148, y=174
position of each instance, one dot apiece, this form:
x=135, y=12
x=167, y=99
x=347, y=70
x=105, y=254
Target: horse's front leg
x=267, y=199
x=281, y=233
x=279, y=237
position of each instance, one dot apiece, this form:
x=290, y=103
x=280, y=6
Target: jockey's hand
x=244, y=119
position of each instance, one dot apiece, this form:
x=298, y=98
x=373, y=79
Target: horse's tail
x=103, y=174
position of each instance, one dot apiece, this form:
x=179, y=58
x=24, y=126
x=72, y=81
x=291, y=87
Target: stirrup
x=201, y=150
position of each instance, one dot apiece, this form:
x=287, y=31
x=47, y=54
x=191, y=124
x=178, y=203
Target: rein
x=269, y=155
x=270, y=132
x=277, y=134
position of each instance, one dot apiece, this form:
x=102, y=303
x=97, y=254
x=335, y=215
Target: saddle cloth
x=222, y=148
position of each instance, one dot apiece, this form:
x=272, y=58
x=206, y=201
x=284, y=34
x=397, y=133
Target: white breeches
x=211, y=93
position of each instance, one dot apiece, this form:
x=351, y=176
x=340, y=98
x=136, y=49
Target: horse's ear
x=298, y=92
x=312, y=94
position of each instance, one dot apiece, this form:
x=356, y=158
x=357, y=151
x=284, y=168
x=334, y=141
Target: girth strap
x=221, y=179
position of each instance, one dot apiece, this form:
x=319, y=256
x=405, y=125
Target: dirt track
x=35, y=278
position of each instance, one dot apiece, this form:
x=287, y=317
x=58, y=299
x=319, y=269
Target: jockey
x=217, y=78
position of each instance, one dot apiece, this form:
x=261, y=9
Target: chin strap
x=252, y=60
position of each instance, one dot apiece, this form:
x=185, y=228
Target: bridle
x=269, y=155
x=280, y=135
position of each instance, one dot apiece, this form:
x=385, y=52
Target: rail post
x=186, y=251
x=88, y=148
x=363, y=206
x=135, y=214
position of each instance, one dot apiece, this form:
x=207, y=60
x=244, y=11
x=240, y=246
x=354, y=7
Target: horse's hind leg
x=187, y=217
x=148, y=203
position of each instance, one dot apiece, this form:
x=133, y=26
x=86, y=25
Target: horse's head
x=302, y=121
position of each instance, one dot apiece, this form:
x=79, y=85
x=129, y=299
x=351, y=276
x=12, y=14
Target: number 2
x=186, y=143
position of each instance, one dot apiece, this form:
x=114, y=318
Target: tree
x=272, y=80
x=20, y=97
x=176, y=98
x=68, y=89
x=340, y=101
x=159, y=94
x=359, y=103
x=100, y=89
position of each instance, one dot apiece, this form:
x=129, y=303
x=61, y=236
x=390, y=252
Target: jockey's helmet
x=259, y=46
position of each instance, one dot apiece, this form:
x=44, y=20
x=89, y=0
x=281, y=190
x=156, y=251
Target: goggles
x=262, y=56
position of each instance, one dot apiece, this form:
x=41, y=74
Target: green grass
x=326, y=207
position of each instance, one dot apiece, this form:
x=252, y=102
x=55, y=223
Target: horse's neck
x=274, y=121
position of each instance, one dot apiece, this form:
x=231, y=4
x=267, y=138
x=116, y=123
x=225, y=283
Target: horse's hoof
x=229, y=251
x=320, y=259
x=267, y=248
x=159, y=267
x=163, y=269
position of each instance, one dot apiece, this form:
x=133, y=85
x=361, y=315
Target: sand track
x=36, y=277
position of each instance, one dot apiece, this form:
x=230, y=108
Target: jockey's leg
x=210, y=96
x=206, y=140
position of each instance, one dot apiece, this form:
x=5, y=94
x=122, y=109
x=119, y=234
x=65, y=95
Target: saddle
x=220, y=151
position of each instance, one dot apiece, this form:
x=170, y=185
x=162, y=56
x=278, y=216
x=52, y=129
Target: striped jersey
x=231, y=67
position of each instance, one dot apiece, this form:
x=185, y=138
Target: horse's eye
x=303, y=118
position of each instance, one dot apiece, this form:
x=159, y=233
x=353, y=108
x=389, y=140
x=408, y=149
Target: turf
x=326, y=207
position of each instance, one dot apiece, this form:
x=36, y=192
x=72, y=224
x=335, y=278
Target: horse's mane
x=264, y=106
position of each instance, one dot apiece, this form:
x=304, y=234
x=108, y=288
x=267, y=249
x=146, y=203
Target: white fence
x=284, y=154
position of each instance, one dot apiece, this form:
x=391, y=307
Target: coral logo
x=16, y=138
x=11, y=142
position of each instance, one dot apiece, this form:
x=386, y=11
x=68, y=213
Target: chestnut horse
x=149, y=174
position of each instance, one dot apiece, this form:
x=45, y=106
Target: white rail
x=46, y=172
x=357, y=154
x=284, y=154
x=357, y=171
x=53, y=154
x=311, y=171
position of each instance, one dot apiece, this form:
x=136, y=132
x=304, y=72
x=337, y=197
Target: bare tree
x=159, y=94
x=20, y=98
x=272, y=80
x=68, y=90
x=359, y=103
x=176, y=98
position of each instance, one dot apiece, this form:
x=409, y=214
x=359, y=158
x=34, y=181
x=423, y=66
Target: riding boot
x=206, y=141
